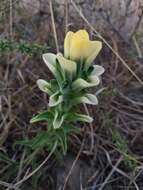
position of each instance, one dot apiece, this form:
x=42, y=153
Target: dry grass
x=111, y=148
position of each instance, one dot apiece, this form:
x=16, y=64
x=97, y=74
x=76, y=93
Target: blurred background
x=108, y=154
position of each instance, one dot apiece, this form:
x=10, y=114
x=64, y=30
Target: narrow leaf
x=70, y=129
x=55, y=99
x=69, y=67
x=80, y=83
x=87, y=99
x=58, y=120
x=46, y=115
x=44, y=86
x=50, y=60
x=79, y=117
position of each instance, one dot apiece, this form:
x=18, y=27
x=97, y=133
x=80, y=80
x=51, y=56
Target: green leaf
x=79, y=117
x=46, y=115
x=70, y=129
x=69, y=67
x=5, y=158
x=60, y=74
x=62, y=134
x=25, y=142
x=80, y=83
x=50, y=60
x=87, y=99
x=55, y=99
x=44, y=86
x=39, y=141
x=58, y=120
x=54, y=85
x=62, y=137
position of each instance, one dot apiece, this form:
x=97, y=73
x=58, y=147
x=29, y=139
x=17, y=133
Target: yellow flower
x=78, y=46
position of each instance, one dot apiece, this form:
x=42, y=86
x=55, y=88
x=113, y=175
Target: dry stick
x=10, y=20
x=38, y=168
x=5, y=132
x=127, y=7
x=66, y=16
x=73, y=165
x=108, y=45
x=129, y=99
x=7, y=126
x=11, y=37
x=7, y=8
x=5, y=184
x=6, y=77
x=134, y=179
x=138, y=23
x=127, y=176
x=98, y=185
x=111, y=173
x=120, y=171
x=137, y=47
x=53, y=25
x=21, y=166
x=133, y=35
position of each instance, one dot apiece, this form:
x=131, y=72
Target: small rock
x=79, y=176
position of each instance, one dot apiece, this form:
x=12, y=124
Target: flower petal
x=78, y=46
x=67, y=43
x=82, y=34
x=95, y=48
x=77, y=49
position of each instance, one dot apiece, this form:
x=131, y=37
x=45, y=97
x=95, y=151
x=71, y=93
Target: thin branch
x=111, y=173
x=53, y=25
x=66, y=16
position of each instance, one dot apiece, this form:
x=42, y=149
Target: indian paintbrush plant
x=74, y=72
